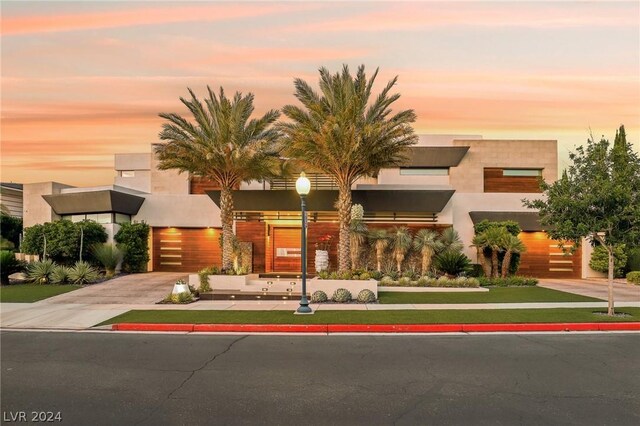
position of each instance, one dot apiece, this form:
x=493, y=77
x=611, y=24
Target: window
x=522, y=172
x=128, y=173
x=122, y=218
x=104, y=218
x=423, y=171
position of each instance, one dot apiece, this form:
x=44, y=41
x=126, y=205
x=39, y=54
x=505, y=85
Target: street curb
x=379, y=328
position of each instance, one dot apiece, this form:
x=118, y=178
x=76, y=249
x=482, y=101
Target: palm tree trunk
x=344, y=217
x=506, y=262
x=355, y=251
x=399, y=259
x=427, y=255
x=486, y=267
x=379, y=256
x=494, y=263
x=226, y=215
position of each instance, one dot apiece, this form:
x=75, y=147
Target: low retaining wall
x=354, y=286
x=222, y=282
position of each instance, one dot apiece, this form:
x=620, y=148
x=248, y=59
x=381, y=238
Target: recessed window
x=122, y=218
x=423, y=171
x=127, y=173
x=522, y=172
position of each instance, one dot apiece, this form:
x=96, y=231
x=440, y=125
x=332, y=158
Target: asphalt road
x=127, y=379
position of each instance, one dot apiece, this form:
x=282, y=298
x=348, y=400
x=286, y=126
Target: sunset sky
x=84, y=80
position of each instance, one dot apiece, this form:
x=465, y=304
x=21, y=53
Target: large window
x=102, y=218
x=424, y=171
x=522, y=172
x=128, y=173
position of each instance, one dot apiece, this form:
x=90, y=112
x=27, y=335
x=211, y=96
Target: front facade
x=447, y=181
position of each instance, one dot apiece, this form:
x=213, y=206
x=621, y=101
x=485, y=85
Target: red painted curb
x=262, y=328
x=379, y=328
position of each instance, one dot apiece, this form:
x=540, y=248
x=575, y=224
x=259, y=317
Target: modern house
x=447, y=181
x=11, y=198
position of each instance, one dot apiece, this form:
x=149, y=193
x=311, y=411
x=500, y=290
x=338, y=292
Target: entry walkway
x=595, y=287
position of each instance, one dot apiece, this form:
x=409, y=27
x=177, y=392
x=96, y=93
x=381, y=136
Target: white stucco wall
x=179, y=210
x=35, y=209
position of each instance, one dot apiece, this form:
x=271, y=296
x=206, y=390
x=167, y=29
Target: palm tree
x=346, y=134
x=450, y=240
x=480, y=243
x=427, y=243
x=379, y=238
x=512, y=244
x=496, y=237
x=222, y=143
x=400, y=239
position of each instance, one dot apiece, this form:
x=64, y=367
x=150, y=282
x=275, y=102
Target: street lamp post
x=303, y=186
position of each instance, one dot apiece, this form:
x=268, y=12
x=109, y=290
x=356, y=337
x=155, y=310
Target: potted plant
x=322, y=252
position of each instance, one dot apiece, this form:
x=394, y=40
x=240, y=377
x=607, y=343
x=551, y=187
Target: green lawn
x=494, y=295
x=373, y=317
x=27, y=293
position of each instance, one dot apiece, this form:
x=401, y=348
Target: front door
x=286, y=249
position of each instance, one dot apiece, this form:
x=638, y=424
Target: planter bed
x=221, y=282
x=354, y=286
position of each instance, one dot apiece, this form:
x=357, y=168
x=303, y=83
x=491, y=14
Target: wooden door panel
x=286, y=250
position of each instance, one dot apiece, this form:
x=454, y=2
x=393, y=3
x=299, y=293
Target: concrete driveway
x=148, y=288
x=595, y=287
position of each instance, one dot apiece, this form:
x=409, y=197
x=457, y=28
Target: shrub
x=109, y=256
x=40, y=272
x=63, y=240
x=634, y=277
x=341, y=295
x=366, y=296
x=9, y=265
x=513, y=281
x=423, y=282
x=134, y=238
x=60, y=274
x=386, y=280
x=452, y=263
x=365, y=276
x=345, y=275
x=404, y=282
x=83, y=273
x=600, y=260
x=323, y=275
x=10, y=228
x=376, y=275
x=319, y=296
x=633, y=259
x=180, y=298
x=334, y=275
x=203, y=276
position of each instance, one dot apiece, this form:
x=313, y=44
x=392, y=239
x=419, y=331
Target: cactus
x=341, y=295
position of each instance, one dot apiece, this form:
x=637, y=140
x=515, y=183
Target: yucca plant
x=426, y=242
x=512, y=244
x=109, y=256
x=40, y=272
x=379, y=239
x=60, y=275
x=480, y=243
x=83, y=273
x=450, y=240
x=400, y=240
x=357, y=234
x=221, y=143
x=347, y=132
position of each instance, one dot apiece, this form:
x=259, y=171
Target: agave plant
x=109, y=256
x=512, y=244
x=60, y=275
x=379, y=240
x=83, y=273
x=400, y=240
x=40, y=272
x=427, y=243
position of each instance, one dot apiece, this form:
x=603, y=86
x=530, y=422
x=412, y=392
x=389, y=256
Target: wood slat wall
x=494, y=181
x=285, y=237
x=186, y=249
x=543, y=258
x=254, y=232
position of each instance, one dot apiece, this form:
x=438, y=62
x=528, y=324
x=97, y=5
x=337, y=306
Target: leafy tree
x=600, y=260
x=10, y=228
x=597, y=197
x=62, y=240
x=427, y=243
x=346, y=134
x=134, y=240
x=222, y=144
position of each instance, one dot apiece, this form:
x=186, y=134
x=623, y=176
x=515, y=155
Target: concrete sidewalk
x=595, y=287
x=82, y=316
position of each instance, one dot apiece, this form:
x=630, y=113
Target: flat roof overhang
x=528, y=221
x=434, y=156
x=408, y=201
x=102, y=201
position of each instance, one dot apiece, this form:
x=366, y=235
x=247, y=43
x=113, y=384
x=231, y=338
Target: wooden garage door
x=186, y=249
x=544, y=259
x=286, y=250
